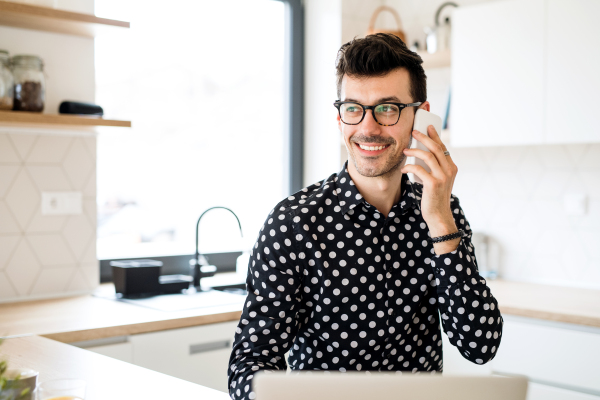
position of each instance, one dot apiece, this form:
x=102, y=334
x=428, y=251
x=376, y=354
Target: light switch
x=575, y=203
x=62, y=203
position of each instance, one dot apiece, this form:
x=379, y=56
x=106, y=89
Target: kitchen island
x=106, y=378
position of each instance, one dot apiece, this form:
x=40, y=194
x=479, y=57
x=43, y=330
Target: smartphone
x=422, y=120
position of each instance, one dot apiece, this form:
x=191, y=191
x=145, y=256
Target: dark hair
x=377, y=55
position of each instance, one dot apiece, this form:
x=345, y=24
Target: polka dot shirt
x=341, y=287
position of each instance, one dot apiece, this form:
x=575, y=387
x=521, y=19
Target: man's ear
x=339, y=121
x=425, y=106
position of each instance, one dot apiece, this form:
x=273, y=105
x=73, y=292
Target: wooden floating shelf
x=27, y=16
x=441, y=59
x=23, y=118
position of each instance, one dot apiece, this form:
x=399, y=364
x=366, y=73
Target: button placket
x=390, y=311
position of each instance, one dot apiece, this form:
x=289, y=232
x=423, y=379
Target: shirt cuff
x=454, y=267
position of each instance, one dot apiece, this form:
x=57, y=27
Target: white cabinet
x=550, y=354
x=573, y=71
x=559, y=359
x=117, y=347
x=197, y=354
x=535, y=391
x=120, y=351
x=525, y=72
x=497, y=74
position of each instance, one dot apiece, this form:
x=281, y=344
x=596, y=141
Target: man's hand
x=437, y=187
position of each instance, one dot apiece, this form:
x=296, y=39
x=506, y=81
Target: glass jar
x=30, y=85
x=6, y=82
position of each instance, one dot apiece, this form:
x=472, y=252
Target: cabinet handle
x=100, y=342
x=210, y=346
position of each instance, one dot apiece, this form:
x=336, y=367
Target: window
x=206, y=87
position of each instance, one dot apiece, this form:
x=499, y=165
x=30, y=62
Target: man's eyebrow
x=391, y=98
x=379, y=101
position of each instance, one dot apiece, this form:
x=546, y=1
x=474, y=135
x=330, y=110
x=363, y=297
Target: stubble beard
x=391, y=165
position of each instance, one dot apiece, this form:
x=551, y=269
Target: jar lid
x=27, y=59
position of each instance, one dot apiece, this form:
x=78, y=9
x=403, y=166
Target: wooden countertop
x=552, y=303
x=80, y=318
x=106, y=377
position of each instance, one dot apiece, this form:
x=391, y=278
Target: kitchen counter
x=552, y=303
x=106, y=378
x=80, y=318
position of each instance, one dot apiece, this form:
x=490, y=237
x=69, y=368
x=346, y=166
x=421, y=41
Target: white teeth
x=371, y=148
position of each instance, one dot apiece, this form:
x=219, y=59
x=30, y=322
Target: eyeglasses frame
x=338, y=103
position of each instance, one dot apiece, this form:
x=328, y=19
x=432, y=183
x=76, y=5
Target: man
x=344, y=274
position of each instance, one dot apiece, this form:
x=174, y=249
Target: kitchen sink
x=221, y=296
x=237, y=288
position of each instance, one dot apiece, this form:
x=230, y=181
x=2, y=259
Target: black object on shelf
x=174, y=283
x=75, y=107
x=136, y=278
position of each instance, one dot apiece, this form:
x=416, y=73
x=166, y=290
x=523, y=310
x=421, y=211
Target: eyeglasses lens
x=385, y=114
x=351, y=113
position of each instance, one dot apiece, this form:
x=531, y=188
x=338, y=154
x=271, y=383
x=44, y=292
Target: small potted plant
x=14, y=386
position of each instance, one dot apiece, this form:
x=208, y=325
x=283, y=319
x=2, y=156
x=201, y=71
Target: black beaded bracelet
x=451, y=236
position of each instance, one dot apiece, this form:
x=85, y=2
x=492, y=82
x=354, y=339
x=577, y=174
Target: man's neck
x=381, y=191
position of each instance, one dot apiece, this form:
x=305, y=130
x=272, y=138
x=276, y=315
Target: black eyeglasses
x=386, y=114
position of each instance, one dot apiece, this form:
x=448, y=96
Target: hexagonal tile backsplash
x=44, y=256
x=516, y=196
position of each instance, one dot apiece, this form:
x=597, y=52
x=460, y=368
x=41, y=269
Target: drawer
x=119, y=347
x=551, y=353
x=535, y=391
x=197, y=354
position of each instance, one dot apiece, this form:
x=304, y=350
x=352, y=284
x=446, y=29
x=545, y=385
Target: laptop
x=320, y=385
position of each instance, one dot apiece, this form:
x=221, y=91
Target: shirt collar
x=349, y=197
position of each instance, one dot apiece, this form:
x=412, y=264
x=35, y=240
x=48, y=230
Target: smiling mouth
x=373, y=148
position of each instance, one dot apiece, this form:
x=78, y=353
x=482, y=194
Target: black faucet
x=198, y=272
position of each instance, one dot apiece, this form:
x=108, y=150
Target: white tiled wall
x=513, y=194
x=516, y=196
x=44, y=256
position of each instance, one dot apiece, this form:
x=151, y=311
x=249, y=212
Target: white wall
x=323, y=30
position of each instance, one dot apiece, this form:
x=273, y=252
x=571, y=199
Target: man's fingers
x=434, y=147
x=429, y=159
x=418, y=171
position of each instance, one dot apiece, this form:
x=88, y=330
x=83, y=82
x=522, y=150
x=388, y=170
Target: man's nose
x=369, y=124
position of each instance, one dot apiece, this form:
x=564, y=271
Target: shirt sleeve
x=268, y=324
x=469, y=312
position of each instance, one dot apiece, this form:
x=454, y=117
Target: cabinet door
x=117, y=347
x=573, y=77
x=535, y=391
x=120, y=351
x=197, y=354
x=497, y=74
x=549, y=353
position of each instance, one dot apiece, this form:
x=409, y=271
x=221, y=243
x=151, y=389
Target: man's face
x=393, y=87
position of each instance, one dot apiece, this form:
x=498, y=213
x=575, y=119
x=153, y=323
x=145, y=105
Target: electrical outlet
x=62, y=203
